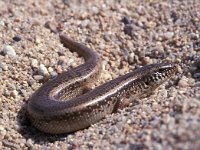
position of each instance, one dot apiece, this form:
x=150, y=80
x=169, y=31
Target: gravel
x=127, y=35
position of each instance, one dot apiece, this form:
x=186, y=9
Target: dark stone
x=17, y=38
x=126, y=20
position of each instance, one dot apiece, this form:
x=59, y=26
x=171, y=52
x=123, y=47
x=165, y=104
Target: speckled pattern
x=126, y=34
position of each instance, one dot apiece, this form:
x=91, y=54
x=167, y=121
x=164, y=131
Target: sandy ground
x=127, y=34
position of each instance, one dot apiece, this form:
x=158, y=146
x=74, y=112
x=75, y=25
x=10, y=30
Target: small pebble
x=9, y=50
x=126, y=54
x=196, y=75
x=38, y=40
x=42, y=70
x=10, y=144
x=2, y=23
x=106, y=76
x=2, y=129
x=34, y=63
x=168, y=35
x=128, y=29
x=38, y=77
x=50, y=69
x=29, y=144
x=131, y=58
x=30, y=82
x=183, y=82
x=18, y=127
x=136, y=146
x=147, y=60
x=17, y=38
x=14, y=93
x=52, y=26
x=3, y=66
x=53, y=74
x=66, y=2
x=126, y=20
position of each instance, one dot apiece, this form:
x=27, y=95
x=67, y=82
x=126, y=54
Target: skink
x=60, y=106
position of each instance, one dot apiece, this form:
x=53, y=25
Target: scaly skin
x=55, y=107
